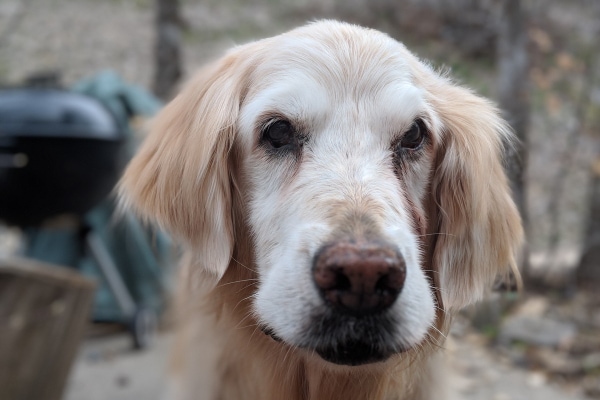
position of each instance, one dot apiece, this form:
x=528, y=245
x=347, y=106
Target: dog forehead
x=340, y=57
x=310, y=77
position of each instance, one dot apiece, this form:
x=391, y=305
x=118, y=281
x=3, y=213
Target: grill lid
x=42, y=112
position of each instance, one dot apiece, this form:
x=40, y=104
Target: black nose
x=359, y=277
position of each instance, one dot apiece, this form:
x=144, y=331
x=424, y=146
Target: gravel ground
x=106, y=368
x=476, y=373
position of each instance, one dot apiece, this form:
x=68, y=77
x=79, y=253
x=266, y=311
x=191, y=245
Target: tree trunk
x=513, y=89
x=167, y=49
x=588, y=272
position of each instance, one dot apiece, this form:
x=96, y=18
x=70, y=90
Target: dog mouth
x=347, y=341
x=351, y=353
x=354, y=353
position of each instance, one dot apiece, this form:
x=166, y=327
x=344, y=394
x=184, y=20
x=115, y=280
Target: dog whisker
x=242, y=301
x=437, y=234
x=248, y=268
x=246, y=326
x=431, y=270
x=239, y=281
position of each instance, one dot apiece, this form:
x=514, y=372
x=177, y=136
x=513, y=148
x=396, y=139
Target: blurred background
x=538, y=59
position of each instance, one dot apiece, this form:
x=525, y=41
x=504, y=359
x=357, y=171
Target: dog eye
x=413, y=138
x=279, y=133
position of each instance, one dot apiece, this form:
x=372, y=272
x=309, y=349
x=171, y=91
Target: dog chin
x=350, y=354
x=349, y=341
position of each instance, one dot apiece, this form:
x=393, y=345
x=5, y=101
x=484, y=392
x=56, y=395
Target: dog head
x=370, y=188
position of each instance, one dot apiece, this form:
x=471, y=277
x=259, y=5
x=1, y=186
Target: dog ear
x=180, y=176
x=476, y=226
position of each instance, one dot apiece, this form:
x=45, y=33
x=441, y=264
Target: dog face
x=371, y=187
x=338, y=157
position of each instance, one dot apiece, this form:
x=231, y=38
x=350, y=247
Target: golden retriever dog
x=337, y=200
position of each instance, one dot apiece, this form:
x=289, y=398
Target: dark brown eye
x=414, y=136
x=278, y=134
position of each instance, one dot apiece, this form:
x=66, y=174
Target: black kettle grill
x=60, y=153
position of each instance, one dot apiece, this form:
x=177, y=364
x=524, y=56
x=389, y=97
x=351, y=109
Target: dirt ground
x=79, y=38
x=107, y=368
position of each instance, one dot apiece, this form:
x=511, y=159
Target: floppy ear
x=476, y=225
x=179, y=178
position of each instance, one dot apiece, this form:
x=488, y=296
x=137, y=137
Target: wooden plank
x=44, y=310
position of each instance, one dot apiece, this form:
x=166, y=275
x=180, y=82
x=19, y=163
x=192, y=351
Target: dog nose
x=359, y=277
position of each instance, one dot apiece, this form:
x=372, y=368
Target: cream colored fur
x=245, y=221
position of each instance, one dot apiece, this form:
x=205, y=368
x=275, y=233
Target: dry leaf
x=565, y=61
x=541, y=39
